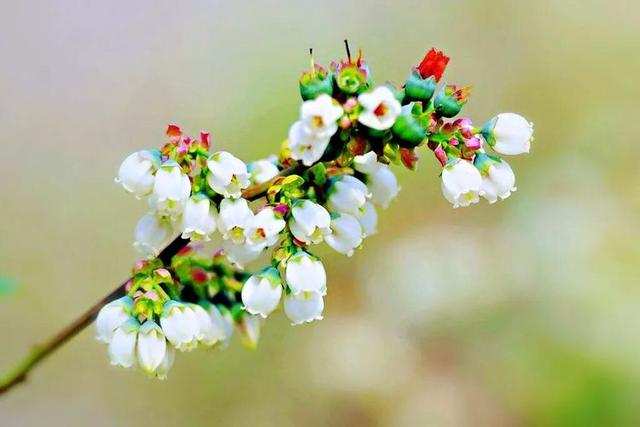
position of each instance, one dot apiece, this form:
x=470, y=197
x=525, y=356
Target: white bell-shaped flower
x=228, y=175
x=163, y=370
x=180, y=325
x=234, y=218
x=461, y=183
x=306, y=146
x=264, y=228
x=199, y=218
x=368, y=219
x=366, y=163
x=122, y=348
x=309, y=222
x=262, y=171
x=346, y=234
x=305, y=273
x=320, y=116
x=208, y=334
x=261, y=292
x=380, y=108
x=383, y=185
x=250, y=327
x=136, y=173
x=509, y=133
x=347, y=194
x=498, y=179
x=151, y=348
x=242, y=254
x=152, y=233
x=303, y=307
x=222, y=322
x=111, y=316
x=171, y=189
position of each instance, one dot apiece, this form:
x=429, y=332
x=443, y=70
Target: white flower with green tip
x=309, y=222
x=303, y=307
x=111, y=316
x=383, y=185
x=461, y=183
x=242, y=254
x=346, y=234
x=162, y=371
x=228, y=175
x=122, y=348
x=261, y=293
x=234, y=218
x=180, y=325
x=136, y=173
x=199, y=218
x=250, y=327
x=151, y=347
x=222, y=322
x=305, y=273
x=498, y=179
x=152, y=234
x=368, y=219
x=171, y=189
x=509, y=133
x=347, y=194
x=262, y=171
x=207, y=334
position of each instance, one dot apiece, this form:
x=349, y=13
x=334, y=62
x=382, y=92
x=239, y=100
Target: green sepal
x=318, y=174
x=351, y=80
x=392, y=152
x=487, y=131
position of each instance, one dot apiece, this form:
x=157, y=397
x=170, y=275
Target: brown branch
x=40, y=352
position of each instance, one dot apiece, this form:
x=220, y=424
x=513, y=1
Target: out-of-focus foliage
x=522, y=313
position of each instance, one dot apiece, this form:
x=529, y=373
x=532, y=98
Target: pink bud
x=350, y=104
x=163, y=272
x=440, y=155
x=205, y=139
x=454, y=141
x=473, y=143
x=281, y=209
x=345, y=123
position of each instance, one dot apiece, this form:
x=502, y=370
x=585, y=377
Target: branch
x=40, y=352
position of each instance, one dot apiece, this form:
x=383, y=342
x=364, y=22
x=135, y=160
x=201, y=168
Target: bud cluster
x=324, y=186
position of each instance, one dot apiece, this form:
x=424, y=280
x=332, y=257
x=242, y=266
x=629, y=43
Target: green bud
x=418, y=89
x=407, y=127
x=316, y=82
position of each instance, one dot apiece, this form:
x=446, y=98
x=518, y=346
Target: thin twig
x=40, y=352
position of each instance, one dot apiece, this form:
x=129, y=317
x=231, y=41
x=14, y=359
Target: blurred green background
x=524, y=313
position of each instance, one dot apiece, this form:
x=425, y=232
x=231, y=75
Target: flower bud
x=347, y=194
x=450, y=100
x=433, y=64
x=316, y=82
x=498, y=179
x=508, y=133
x=180, y=325
x=261, y=292
x=379, y=108
x=122, y=348
x=418, y=88
x=152, y=347
x=309, y=222
x=136, y=173
x=111, y=316
x=199, y=218
x=461, y=183
x=346, y=234
x=408, y=128
x=303, y=307
x=152, y=233
x=305, y=273
x=228, y=175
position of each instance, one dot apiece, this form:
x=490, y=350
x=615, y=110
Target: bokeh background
x=525, y=313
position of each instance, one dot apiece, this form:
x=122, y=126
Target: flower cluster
x=324, y=186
